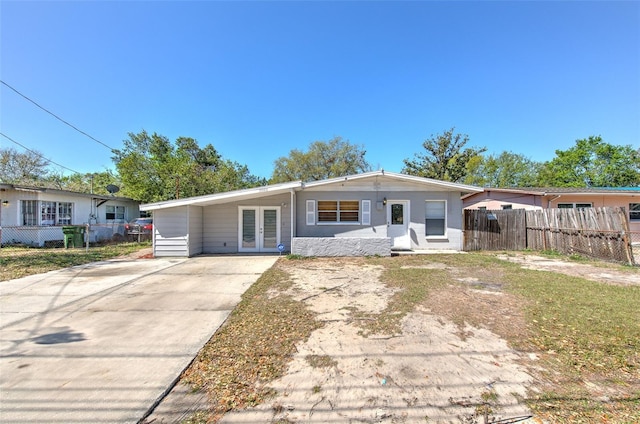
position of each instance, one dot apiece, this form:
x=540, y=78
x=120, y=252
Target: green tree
x=29, y=168
x=95, y=183
x=445, y=158
x=324, y=159
x=593, y=163
x=507, y=169
x=152, y=169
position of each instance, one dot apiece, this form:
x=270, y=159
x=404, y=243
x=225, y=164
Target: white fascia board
x=225, y=197
x=402, y=177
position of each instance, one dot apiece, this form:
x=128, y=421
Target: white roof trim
x=402, y=177
x=249, y=193
x=227, y=196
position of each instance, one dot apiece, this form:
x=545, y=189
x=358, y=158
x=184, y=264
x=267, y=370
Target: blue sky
x=257, y=79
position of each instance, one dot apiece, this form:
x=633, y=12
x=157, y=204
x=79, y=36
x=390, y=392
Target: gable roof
x=269, y=190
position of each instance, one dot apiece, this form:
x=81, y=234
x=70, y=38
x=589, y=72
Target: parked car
x=139, y=229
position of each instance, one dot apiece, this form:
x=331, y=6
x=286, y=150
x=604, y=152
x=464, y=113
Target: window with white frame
x=507, y=207
x=115, y=212
x=356, y=212
x=435, y=218
x=338, y=211
x=573, y=205
x=35, y=212
x=64, y=213
x=634, y=211
x=29, y=212
x=47, y=213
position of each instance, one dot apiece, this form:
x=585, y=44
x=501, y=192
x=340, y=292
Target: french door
x=259, y=229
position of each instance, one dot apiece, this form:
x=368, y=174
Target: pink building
x=563, y=197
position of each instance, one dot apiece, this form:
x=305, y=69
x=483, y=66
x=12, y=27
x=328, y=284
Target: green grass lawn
x=16, y=262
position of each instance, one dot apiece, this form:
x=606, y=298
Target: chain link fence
x=66, y=237
x=634, y=237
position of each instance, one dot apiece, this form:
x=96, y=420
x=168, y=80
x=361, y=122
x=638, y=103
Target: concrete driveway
x=103, y=342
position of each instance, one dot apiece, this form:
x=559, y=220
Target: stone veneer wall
x=341, y=246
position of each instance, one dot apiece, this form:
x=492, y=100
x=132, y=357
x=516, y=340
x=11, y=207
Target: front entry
x=259, y=229
x=398, y=224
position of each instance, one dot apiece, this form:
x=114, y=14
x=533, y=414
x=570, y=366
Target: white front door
x=259, y=229
x=398, y=224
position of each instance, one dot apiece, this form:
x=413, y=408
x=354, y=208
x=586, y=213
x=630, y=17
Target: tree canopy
x=593, y=163
x=22, y=168
x=151, y=169
x=445, y=158
x=324, y=159
x=507, y=169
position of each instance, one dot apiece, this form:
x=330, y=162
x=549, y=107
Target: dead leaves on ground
x=252, y=348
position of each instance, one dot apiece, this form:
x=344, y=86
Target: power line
x=38, y=154
x=57, y=117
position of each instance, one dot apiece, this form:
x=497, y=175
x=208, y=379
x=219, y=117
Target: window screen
x=435, y=219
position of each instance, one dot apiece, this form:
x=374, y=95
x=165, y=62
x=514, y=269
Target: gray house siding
x=195, y=230
x=394, y=211
x=220, y=223
x=171, y=235
x=378, y=225
x=220, y=228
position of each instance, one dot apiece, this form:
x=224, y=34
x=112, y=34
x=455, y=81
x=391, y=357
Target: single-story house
x=364, y=214
x=36, y=215
x=558, y=197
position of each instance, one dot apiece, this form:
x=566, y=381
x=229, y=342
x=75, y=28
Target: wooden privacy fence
x=495, y=230
x=601, y=233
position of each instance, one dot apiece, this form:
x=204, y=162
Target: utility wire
x=37, y=154
x=57, y=117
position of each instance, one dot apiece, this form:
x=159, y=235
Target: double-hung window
x=634, y=211
x=115, y=212
x=436, y=218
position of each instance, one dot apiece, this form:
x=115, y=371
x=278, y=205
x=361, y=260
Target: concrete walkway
x=103, y=342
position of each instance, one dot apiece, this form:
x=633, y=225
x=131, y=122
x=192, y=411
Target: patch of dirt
x=609, y=274
x=146, y=253
x=437, y=370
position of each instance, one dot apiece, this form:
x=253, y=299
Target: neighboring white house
x=36, y=215
x=365, y=214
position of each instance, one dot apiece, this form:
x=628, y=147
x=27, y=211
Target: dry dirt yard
x=437, y=368
x=432, y=371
